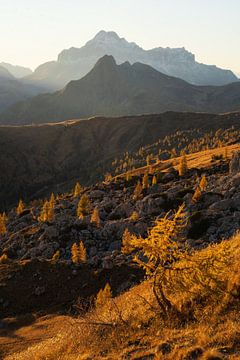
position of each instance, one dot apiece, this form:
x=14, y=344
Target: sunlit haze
x=33, y=32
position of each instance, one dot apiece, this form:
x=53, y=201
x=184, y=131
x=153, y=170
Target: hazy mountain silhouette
x=13, y=90
x=74, y=63
x=113, y=90
x=16, y=70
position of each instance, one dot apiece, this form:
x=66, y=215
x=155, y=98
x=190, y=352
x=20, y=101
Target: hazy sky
x=35, y=31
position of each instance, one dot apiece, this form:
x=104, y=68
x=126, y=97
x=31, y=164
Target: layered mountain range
x=16, y=70
x=74, y=63
x=115, y=90
x=13, y=90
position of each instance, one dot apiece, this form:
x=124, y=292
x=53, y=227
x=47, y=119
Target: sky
x=35, y=31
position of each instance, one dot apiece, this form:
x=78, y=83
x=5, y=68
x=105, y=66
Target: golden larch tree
x=197, y=194
x=75, y=253
x=82, y=253
x=20, y=208
x=134, y=216
x=77, y=190
x=183, y=168
x=95, y=218
x=145, y=183
x=203, y=183
x=84, y=206
x=126, y=241
x=56, y=256
x=154, y=180
x=104, y=295
x=163, y=247
x=137, y=194
x=3, y=224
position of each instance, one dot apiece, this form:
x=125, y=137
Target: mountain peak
x=106, y=61
x=106, y=36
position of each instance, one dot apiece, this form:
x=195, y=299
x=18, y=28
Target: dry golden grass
x=200, y=159
x=130, y=326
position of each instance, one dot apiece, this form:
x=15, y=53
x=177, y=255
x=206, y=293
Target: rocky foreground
x=214, y=216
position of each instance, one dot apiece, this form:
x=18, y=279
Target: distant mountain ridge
x=12, y=90
x=16, y=70
x=74, y=63
x=115, y=90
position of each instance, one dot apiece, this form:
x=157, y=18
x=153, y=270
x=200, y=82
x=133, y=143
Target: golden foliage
x=145, y=184
x=56, y=256
x=134, y=216
x=161, y=249
x=82, y=253
x=3, y=224
x=95, y=218
x=77, y=190
x=203, y=183
x=126, y=241
x=197, y=194
x=84, y=206
x=154, y=180
x=79, y=254
x=20, y=207
x=3, y=259
x=75, y=255
x=183, y=168
x=47, y=212
x=137, y=194
x=103, y=296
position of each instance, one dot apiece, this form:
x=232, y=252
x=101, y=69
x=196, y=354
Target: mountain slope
x=36, y=160
x=114, y=90
x=16, y=70
x=74, y=63
x=13, y=90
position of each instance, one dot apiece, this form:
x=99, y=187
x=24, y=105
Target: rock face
x=74, y=63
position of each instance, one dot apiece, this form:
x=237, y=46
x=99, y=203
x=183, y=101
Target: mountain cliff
x=74, y=63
